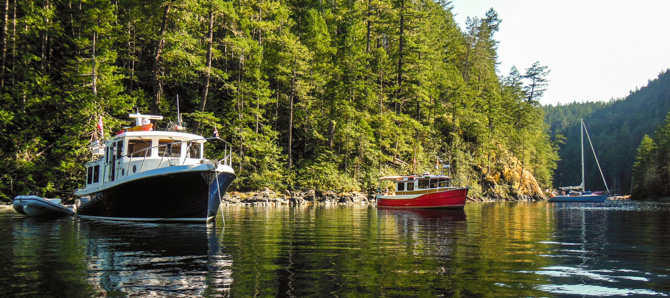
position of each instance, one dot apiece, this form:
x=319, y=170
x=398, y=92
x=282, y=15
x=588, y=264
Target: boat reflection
x=428, y=214
x=140, y=259
x=426, y=231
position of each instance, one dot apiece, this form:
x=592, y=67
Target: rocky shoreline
x=304, y=197
x=324, y=197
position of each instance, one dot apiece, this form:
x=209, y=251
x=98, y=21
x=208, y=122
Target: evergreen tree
x=644, y=172
x=537, y=75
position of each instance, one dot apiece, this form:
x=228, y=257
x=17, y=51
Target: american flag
x=100, y=125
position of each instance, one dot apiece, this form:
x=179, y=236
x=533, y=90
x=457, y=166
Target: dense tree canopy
x=328, y=94
x=651, y=170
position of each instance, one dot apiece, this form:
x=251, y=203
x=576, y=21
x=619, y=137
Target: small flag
x=216, y=132
x=100, y=126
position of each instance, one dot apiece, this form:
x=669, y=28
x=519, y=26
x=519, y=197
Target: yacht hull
x=189, y=196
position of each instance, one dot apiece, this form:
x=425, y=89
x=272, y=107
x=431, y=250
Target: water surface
x=488, y=250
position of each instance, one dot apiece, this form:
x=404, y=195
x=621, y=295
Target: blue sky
x=595, y=49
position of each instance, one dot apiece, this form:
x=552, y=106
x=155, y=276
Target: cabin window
x=114, y=151
x=401, y=186
x=410, y=186
x=193, y=150
x=423, y=183
x=139, y=148
x=169, y=148
x=119, y=149
x=96, y=174
x=434, y=182
x=89, y=175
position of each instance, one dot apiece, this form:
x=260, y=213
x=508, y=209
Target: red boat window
x=423, y=183
x=401, y=186
x=410, y=186
x=444, y=182
x=434, y=182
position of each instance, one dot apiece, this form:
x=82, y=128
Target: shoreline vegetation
x=322, y=95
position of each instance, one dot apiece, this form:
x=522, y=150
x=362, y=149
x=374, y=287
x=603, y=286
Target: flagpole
x=101, y=127
x=178, y=114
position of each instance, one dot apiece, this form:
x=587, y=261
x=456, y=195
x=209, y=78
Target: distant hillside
x=616, y=129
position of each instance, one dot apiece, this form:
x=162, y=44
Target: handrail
x=166, y=151
x=227, y=152
x=424, y=190
x=226, y=160
x=148, y=149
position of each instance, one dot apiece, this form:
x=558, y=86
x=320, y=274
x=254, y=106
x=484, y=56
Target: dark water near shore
x=488, y=250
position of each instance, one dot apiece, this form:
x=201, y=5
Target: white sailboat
x=579, y=193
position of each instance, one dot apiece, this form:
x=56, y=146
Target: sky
x=596, y=50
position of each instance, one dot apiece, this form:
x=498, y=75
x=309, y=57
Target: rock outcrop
x=301, y=197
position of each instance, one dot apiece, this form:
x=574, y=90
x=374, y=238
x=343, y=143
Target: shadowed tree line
x=616, y=128
x=651, y=170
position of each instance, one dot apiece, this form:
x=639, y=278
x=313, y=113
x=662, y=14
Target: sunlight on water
x=597, y=291
x=487, y=250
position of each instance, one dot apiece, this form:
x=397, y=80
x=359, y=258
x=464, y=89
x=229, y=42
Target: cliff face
x=506, y=180
x=510, y=184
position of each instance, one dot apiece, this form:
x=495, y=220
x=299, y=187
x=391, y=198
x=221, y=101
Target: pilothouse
x=143, y=174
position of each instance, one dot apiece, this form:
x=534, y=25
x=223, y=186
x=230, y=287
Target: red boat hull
x=450, y=199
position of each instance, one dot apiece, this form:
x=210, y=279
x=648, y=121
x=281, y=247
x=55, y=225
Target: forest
x=311, y=94
x=651, y=170
x=616, y=128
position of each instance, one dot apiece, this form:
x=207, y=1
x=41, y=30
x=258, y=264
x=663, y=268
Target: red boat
x=424, y=191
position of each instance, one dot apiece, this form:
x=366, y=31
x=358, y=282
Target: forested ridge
x=617, y=129
x=320, y=94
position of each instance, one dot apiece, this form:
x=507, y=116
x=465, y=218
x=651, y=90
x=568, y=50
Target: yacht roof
x=160, y=133
x=413, y=177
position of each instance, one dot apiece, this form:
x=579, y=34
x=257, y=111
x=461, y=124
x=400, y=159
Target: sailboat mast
x=581, y=130
x=594, y=156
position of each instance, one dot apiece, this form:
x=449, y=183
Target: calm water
x=488, y=250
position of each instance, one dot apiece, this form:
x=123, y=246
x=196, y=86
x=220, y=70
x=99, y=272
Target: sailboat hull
x=580, y=198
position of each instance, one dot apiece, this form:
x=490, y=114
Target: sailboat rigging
x=579, y=193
